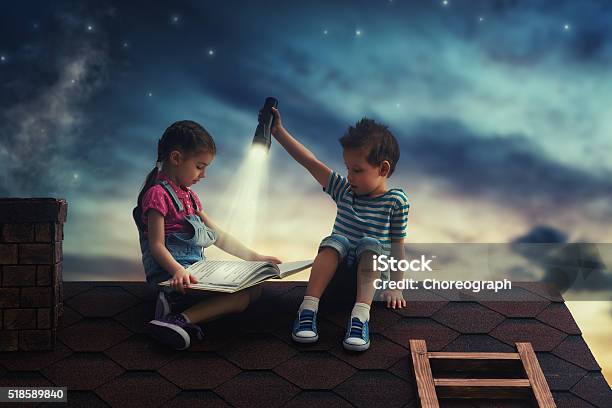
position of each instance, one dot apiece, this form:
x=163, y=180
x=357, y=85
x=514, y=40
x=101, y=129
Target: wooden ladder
x=430, y=388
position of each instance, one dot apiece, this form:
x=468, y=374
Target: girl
x=174, y=229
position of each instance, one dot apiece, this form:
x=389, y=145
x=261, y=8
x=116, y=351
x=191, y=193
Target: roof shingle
x=315, y=370
x=105, y=356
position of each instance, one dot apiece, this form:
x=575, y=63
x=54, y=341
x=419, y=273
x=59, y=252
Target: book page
x=224, y=273
x=289, y=268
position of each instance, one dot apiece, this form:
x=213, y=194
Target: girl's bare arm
x=231, y=245
x=157, y=244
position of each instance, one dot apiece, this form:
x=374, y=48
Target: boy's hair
x=376, y=138
x=186, y=136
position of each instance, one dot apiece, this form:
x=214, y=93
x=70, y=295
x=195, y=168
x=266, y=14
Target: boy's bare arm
x=395, y=297
x=157, y=245
x=299, y=152
x=398, y=252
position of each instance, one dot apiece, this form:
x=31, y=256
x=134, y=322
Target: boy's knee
x=365, y=251
x=367, y=247
x=339, y=244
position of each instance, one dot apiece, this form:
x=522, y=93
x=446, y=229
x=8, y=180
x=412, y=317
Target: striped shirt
x=384, y=217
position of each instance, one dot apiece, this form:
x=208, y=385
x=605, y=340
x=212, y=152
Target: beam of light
x=247, y=196
x=257, y=153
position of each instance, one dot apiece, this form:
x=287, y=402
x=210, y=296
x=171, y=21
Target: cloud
x=101, y=268
x=542, y=234
x=508, y=169
x=572, y=268
x=42, y=140
x=504, y=112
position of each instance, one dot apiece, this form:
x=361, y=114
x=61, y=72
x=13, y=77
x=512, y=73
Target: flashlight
x=266, y=118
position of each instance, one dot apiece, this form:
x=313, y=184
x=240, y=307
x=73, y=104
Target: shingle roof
x=105, y=357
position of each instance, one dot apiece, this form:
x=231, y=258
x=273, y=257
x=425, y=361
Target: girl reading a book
x=174, y=230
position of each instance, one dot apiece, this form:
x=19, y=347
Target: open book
x=232, y=276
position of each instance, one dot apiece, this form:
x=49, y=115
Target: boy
x=371, y=220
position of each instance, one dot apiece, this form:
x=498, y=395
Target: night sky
x=502, y=110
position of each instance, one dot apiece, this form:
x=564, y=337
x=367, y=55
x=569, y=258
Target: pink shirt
x=157, y=198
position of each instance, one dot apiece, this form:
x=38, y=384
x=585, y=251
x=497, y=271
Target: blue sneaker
x=173, y=330
x=357, y=337
x=305, y=327
x=162, y=307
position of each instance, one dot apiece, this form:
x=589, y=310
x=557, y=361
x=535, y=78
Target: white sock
x=311, y=303
x=186, y=318
x=361, y=311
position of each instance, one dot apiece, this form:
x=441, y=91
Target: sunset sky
x=501, y=108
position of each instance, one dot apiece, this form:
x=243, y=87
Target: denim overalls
x=185, y=248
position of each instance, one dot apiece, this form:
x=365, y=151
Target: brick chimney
x=31, y=234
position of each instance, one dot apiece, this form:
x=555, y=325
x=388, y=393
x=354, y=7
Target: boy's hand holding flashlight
x=277, y=124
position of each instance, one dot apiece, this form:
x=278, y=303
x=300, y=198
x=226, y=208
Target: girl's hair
x=186, y=136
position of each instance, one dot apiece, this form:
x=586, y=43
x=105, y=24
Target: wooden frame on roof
x=532, y=385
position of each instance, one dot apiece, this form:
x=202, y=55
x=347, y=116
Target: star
x=445, y=2
x=358, y=33
x=75, y=176
x=2, y=58
x=566, y=27
x=481, y=19
x=175, y=19
x=89, y=27
x=150, y=94
x=211, y=52
x=125, y=44
x=324, y=32
x=397, y=105
x=73, y=81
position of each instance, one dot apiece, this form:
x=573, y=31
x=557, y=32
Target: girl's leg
x=220, y=305
x=323, y=269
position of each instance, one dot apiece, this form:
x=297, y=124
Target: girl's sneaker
x=173, y=330
x=305, y=327
x=162, y=307
x=357, y=336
